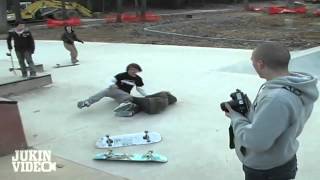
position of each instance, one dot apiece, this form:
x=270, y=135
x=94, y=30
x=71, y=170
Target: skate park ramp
x=194, y=130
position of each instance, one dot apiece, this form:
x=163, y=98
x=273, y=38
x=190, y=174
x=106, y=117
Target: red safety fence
x=286, y=10
x=151, y=17
x=316, y=12
x=53, y=23
x=278, y=9
x=132, y=18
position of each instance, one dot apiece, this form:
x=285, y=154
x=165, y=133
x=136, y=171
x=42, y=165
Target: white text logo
x=33, y=161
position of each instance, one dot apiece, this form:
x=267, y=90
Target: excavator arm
x=30, y=11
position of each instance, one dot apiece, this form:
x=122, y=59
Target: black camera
x=240, y=102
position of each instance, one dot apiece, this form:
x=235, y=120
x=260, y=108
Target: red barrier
x=316, y=12
x=132, y=18
x=73, y=22
x=126, y=17
x=53, y=23
x=285, y=10
x=151, y=17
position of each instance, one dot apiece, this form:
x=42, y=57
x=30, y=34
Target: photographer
x=266, y=137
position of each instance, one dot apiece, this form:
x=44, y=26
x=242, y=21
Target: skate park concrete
x=194, y=131
x=65, y=170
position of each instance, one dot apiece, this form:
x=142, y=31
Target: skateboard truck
x=109, y=153
x=148, y=154
x=109, y=141
x=146, y=136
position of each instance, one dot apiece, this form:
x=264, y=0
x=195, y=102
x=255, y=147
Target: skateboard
x=150, y=156
x=12, y=64
x=64, y=65
x=145, y=137
x=19, y=69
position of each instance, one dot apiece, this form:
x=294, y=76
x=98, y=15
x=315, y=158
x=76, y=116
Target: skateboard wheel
x=146, y=137
x=109, y=141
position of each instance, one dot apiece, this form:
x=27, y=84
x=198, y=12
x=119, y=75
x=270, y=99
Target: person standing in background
x=68, y=38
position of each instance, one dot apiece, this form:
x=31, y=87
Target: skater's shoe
x=82, y=104
x=33, y=74
x=75, y=61
x=24, y=74
x=124, y=106
x=124, y=113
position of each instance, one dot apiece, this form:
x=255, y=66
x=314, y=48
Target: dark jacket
x=22, y=42
x=69, y=38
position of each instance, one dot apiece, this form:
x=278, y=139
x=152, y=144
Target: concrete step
x=19, y=85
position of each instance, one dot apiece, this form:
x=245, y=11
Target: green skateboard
x=147, y=157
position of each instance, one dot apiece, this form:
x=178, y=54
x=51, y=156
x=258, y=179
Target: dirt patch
x=231, y=29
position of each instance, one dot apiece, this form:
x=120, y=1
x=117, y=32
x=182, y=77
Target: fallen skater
x=119, y=88
x=151, y=104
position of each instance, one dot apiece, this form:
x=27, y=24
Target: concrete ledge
x=24, y=85
x=38, y=67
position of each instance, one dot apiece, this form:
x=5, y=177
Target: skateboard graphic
x=150, y=156
x=64, y=65
x=128, y=140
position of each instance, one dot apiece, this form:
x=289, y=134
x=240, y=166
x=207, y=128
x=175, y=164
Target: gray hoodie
x=275, y=120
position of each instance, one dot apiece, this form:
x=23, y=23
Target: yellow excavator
x=50, y=8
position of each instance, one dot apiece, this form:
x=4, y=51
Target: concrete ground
x=67, y=170
x=194, y=131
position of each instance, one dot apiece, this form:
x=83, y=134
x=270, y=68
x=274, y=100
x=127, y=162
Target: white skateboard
x=128, y=140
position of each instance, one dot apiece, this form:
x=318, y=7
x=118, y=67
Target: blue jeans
x=22, y=56
x=284, y=172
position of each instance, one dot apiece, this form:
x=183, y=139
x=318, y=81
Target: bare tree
x=64, y=13
x=246, y=4
x=119, y=10
x=16, y=9
x=3, y=16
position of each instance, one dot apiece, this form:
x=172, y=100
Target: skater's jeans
x=285, y=172
x=22, y=56
x=73, y=51
x=113, y=92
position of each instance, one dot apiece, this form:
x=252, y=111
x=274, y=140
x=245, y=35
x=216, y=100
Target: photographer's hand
x=229, y=110
x=232, y=113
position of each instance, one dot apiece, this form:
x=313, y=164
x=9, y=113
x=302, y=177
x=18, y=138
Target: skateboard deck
x=38, y=68
x=150, y=156
x=64, y=65
x=128, y=139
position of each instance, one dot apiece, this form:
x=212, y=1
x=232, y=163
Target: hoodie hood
x=303, y=82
